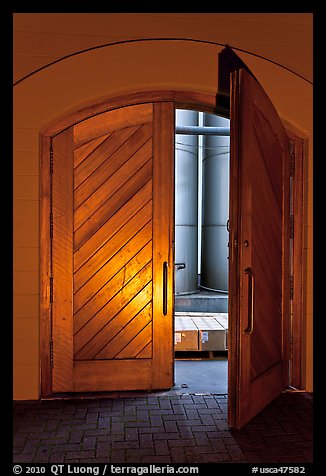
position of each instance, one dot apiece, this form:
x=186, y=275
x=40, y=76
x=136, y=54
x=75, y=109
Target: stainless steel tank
x=215, y=212
x=186, y=206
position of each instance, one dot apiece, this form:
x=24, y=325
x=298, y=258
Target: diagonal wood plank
x=86, y=292
x=147, y=351
x=124, y=202
x=113, y=225
x=267, y=148
x=112, y=185
x=100, y=154
x=94, y=335
x=267, y=251
x=126, y=272
x=110, y=247
x=135, y=347
x=131, y=151
x=93, y=323
x=84, y=150
x=123, y=337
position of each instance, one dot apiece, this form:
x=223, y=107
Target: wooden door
x=259, y=251
x=112, y=251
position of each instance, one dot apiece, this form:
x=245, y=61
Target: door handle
x=251, y=300
x=165, y=288
x=180, y=265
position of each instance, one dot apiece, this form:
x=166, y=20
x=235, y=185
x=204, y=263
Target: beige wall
x=106, y=72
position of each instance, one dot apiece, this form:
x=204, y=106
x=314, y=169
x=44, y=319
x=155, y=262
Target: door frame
x=199, y=101
x=297, y=316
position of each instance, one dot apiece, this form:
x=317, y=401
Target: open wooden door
x=112, y=251
x=259, y=300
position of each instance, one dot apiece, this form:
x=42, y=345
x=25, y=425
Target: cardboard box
x=222, y=318
x=212, y=335
x=185, y=334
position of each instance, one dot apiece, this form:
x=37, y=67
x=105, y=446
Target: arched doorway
x=164, y=103
x=132, y=129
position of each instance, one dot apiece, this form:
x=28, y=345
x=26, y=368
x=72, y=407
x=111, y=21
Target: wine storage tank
x=186, y=206
x=215, y=212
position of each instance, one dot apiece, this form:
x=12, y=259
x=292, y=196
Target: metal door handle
x=180, y=265
x=251, y=300
x=165, y=288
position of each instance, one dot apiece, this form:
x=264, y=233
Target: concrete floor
x=201, y=376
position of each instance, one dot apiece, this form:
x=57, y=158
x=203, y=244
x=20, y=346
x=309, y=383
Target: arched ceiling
x=284, y=38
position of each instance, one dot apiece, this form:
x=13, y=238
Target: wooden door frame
x=297, y=316
x=199, y=101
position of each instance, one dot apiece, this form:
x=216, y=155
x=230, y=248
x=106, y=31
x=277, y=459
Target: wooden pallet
x=201, y=355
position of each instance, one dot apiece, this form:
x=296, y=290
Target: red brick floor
x=164, y=429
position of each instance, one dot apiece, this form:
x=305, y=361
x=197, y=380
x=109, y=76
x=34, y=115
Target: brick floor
x=164, y=429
